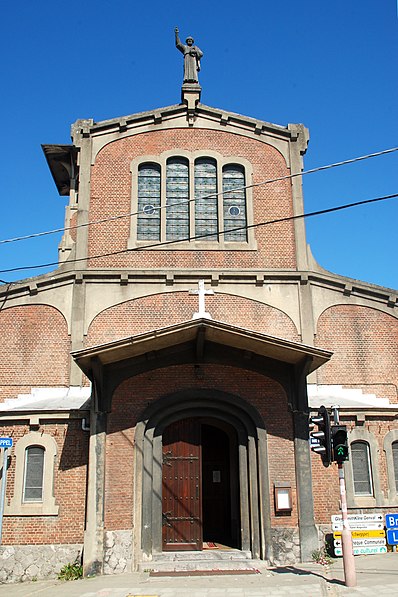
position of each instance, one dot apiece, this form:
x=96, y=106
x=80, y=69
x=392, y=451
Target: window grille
x=34, y=470
x=177, y=199
x=361, y=468
x=206, y=204
x=148, y=224
x=234, y=203
x=395, y=462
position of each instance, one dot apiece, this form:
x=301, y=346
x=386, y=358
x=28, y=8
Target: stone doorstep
x=211, y=554
x=201, y=561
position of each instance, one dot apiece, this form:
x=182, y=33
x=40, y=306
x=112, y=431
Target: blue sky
x=329, y=65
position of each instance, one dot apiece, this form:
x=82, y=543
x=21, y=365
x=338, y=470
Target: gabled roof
x=200, y=331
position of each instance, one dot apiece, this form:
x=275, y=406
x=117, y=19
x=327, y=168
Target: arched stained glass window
x=148, y=223
x=361, y=468
x=234, y=203
x=395, y=462
x=177, y=199
x=34, y=472
x=206, y=200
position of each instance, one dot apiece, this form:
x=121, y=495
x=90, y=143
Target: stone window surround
x=198, y=244
x=47, y=507
x=358, y=501
x=390, y=438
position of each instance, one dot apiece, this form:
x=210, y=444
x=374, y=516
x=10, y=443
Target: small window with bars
x=234, y=203
x=148, y=225
x=206, y=200
x=395, y=463
x=177, y=199
x=361, y=468
x=34, y=474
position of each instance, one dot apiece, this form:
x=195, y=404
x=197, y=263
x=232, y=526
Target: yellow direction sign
x=362, y=534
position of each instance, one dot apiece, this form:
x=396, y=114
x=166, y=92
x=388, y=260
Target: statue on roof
x=192, y=56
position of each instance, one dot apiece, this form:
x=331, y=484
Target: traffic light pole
x=350, y=575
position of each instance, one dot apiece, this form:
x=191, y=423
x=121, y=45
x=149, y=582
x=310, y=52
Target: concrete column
x=94, y=533
x=307, y=528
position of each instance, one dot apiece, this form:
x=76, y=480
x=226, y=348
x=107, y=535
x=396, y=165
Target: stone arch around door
x=254, y=500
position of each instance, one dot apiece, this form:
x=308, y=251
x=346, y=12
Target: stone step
x=213, y=554
x=201, y=561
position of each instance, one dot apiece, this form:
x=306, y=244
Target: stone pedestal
x=190, y=95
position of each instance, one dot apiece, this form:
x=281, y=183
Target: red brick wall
x=365, y=346
x=111, y=195
x=34, y=349
x=326, y=482
x=69, y=488
x=159, y=310
x=133, y=396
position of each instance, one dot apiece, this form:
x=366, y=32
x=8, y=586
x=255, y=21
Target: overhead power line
x=212, y=195
x=202, y=236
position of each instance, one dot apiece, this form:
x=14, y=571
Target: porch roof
x=201, y=331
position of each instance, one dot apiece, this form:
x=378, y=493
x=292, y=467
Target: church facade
x=157, y=385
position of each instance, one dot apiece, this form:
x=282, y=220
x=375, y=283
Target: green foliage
x=71, y=571
x=321, y=556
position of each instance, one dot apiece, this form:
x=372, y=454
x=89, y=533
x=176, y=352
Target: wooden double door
x=200, y=490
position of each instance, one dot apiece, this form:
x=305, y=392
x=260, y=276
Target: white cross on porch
x=201, y=292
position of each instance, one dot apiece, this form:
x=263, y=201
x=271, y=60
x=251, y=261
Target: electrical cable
x=202, y=236
x=212, y=195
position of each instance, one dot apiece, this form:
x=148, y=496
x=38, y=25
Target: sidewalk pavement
x=376, y=575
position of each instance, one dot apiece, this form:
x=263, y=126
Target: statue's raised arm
x=192, y=56
x=179, y=45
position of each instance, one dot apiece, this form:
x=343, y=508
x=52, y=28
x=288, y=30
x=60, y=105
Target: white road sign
x=371, y=542
x=358, y=517
x=358, y=526
x=362, y=550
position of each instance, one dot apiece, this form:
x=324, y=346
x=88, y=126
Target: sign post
x=350, y=574
x=5, y=443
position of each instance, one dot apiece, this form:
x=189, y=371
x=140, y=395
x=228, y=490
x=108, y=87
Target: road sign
x=358, y=551
x=360, y=517
x=362, y=534
x=358, y=526
x=392, y=536
x=392, y=521
x=5, y=442
x=363, y=542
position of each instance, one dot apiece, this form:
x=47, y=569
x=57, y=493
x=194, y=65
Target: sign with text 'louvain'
x=392, y=529
x=5, y=442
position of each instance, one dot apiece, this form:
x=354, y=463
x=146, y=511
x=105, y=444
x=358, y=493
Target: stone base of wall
x=285, y=547
x=19, y=563
x=118, y=552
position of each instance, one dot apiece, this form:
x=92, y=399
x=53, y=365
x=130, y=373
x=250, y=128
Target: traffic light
x=339, y=443
x=322, y=444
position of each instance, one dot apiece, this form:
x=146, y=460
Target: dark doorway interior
x=200, y=495
x=219, y=487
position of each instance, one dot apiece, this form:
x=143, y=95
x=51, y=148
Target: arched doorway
x=242, y=444
x=200, y=485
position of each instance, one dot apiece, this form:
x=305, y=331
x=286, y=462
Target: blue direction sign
x=5, y=442
x=392, y=536
x=392, y=521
